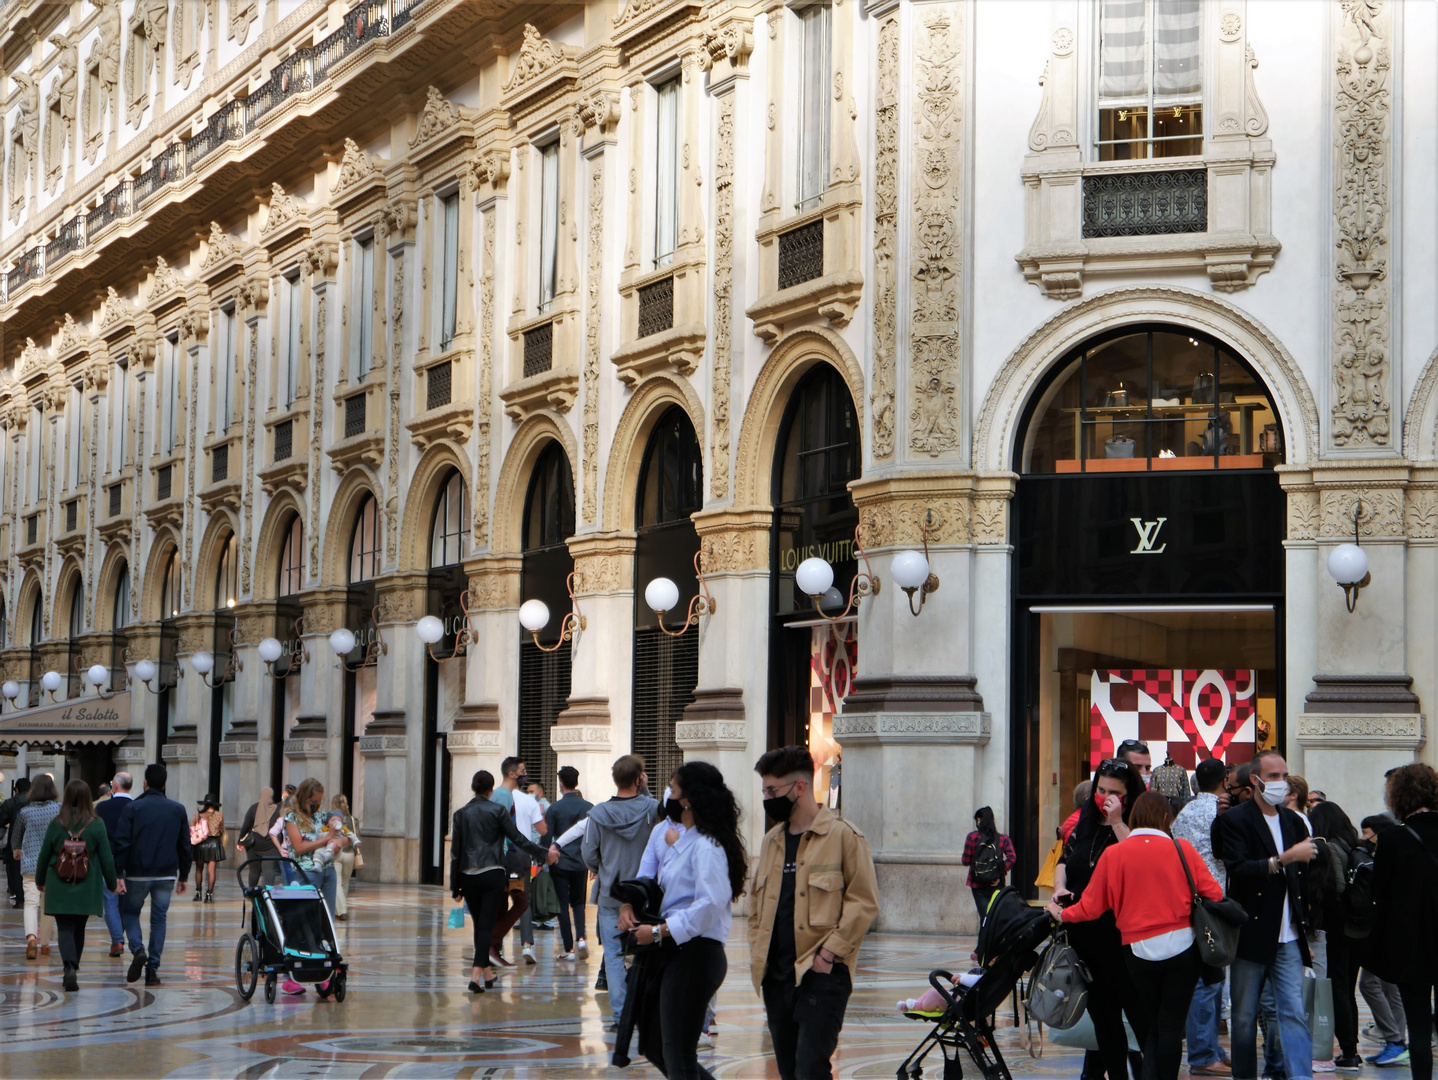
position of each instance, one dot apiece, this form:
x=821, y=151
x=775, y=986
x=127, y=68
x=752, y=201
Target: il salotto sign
x=89, y=719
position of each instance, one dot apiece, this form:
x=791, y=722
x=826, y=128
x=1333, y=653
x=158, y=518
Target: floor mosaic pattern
x=408, y=1015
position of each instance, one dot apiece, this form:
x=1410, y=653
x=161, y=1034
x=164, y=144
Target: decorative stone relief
x=283, y=210
x=886, y=239
x=317, y=422
x=166, y=279
x=69, y=335
x=949, y=727
x=934, y=321
x=1361, y=304
x=594, y=287
x=191, y=456
x=391, y=516
x=1302, y=514
x=1422, y=514
x=355, y=167
x=595, y=574
x=480, y=502
x=189, y=26
x=1380, y=513
x=221, y=246
x=67, y=88
x=438, y=116
x=106, y=50
x=988, y=520
x=723, y=297
x=536, y=56
x=733, y=551
x=903, y=522
x=247, y=498
x=242, y=13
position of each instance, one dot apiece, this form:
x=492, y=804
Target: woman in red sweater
x=1142, y=882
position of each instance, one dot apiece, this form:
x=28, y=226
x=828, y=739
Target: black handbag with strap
x=1216, y=923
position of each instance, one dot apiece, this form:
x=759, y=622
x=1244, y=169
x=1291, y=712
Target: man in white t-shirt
x=528, y=816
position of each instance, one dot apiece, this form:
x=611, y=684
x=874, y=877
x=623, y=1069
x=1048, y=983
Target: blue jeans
x=613, y=960
x=112, y=918
x=159, y=891
x=326, y=880
x=1202, y=1033
x=1285, y=975
x=1273, y=1066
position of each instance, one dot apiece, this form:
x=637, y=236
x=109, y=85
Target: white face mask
x=1274, y=792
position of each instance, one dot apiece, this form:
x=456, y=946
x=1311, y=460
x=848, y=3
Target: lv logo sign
x=1148, y=536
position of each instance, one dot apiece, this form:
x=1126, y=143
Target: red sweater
x=1141, y=882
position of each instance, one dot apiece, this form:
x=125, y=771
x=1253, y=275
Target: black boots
x=71, y=982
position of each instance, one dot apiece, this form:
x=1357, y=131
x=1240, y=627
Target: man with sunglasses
x=1135, y=752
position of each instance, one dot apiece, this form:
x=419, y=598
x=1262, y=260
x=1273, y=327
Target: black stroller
x=1009, y=943
x=291, y=934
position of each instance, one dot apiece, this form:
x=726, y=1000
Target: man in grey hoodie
x=613, y=846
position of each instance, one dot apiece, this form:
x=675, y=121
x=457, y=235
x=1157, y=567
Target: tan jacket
x=835, y=895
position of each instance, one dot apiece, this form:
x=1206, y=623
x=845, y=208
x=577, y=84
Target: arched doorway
x=666, y=668
x=360, y=665
x=811, y=660
x=75, y=622
x=169, y=672
x=37, y=665
x=449, y=546
x=285, y=690
x=119, y=620
x=222, y=697
x=544, y=676
x=1148, y=528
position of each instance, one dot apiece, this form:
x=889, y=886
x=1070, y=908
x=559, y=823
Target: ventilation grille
x=543, y=695
x=72, y=515
x=162, y=483
x=437, y=388
x=801, y=254
x=220, y=463
x=117, y=494
x=32, y=528
x=666, y=670
x=656, y=307
x=538, y=353
x=354, y=415
x=285, y=439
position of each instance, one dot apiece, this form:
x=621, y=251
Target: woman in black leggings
x=476, y=867
x=703, y=875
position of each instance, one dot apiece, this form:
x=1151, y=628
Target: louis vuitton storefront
x=1148, y=579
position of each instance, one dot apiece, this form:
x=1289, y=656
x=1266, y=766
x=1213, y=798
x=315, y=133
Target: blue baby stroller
x=290, y=934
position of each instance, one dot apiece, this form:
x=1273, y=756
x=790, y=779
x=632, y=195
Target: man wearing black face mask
x=814, y=899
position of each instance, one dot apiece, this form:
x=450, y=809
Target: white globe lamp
x=270, y=650
x=342, y=642
x=1348, y=563
x=429, y=629
x=145, y=670
x=534, y=615
x=814, y=576
x=97, y=675
x=203, y=662
x=661, y=595
x=910, y=570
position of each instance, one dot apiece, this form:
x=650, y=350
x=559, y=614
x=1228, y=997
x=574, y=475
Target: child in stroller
x=961, y=1008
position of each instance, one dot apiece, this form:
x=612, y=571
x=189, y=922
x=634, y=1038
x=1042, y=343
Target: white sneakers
x=564, y=956
x=582, y=949
x=529, y=957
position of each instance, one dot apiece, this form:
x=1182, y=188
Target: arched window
x=4, y=625
x=820, y=440
x=549, y=503
x=449, y=536
x=77, y=610
x=671, y=479
x=1151, y=399
x=292, y=570
x=37, y=619
x=122, y=598
x=170, y=589
x=364, y=544
x=227, y=578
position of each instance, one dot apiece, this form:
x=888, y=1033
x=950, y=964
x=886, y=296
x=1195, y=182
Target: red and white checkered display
x=1187, y=714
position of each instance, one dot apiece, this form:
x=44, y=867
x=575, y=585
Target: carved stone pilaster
x=1362, y=389
x=935, y=360
x=886, y=237
x=734, y=541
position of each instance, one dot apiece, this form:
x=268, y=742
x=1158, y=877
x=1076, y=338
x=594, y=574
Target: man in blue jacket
x=152, y=859
x=110, y=811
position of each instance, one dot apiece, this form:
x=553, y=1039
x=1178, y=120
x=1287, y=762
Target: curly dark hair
x=716, y=815
x=1412, y=788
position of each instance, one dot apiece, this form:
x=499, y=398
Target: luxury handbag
x=199, y=832
x=1120, y=446
x=1045, y=880
x=1216, y=923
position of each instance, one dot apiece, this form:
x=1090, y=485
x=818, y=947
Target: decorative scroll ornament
x=221, y=246
x=592, y=346
x=536, y=56
x=723, y=297
x=69, y=335
x=934, y=333
x=166, y=279
x=1361, y=304
x=115, y=308
x=29, y=356
x=284, y=209
x=438, y=116
x=355, y=167
x=633, y=9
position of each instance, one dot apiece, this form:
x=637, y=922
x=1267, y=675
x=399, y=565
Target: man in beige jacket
x=814, y=899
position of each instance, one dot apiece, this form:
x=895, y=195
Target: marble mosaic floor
x=407, y=1014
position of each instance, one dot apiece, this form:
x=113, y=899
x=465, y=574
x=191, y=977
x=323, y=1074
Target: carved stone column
x=595, y=728
x=400, y=684
x=388, y=848
x=473, y=745
x=240, y=780
x=727, y=724
x=187, y=746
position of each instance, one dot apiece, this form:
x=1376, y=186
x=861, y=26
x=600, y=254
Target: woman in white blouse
x=702, y=876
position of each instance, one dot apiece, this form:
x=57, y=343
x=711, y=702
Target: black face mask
x=779, y=808
x=674, y=809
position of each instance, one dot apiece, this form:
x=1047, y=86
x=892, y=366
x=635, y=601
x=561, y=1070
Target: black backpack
x=1357, y=899
x=988, y=862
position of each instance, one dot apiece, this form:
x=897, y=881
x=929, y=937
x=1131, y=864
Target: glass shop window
x=1162, y=399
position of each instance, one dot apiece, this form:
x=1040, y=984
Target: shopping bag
x=456, y=917
x=1318, y=1007
x=1082, y=1036
x=1045, y=880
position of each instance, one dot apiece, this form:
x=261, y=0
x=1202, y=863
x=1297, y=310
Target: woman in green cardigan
x=72, y=903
